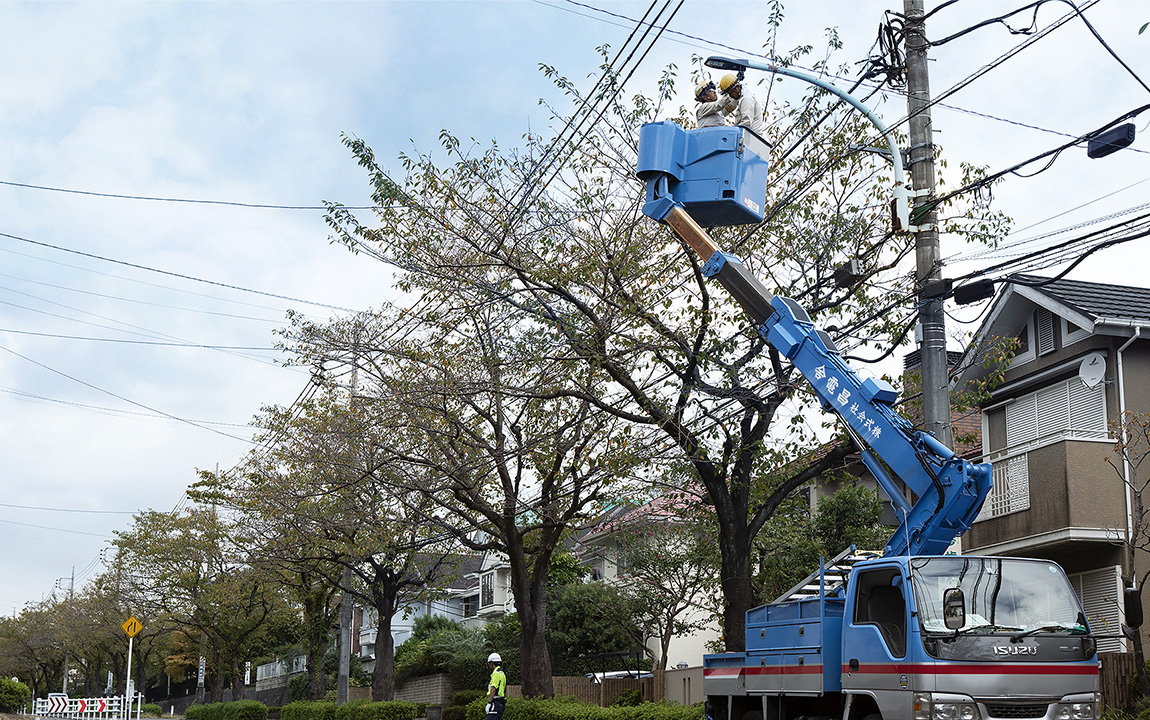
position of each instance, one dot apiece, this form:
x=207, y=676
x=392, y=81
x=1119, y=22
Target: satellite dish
x=1092, y=369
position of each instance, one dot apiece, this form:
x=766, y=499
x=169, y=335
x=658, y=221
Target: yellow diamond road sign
x=132, y=626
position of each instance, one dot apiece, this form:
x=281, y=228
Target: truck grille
x=1016, y=711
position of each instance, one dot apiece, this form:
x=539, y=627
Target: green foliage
x=502, y=636
x=440, y=645
x=629, y=698
x=298, y=687
x=465, y=697
x=238, y=710
x=358, y=710
x=564, y=569
x=14, y=695
x=792, y=543
x=154, y=710
x=567, y=708
x=455, y=712
x=590, y=619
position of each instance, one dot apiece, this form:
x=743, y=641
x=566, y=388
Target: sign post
x=130, y=626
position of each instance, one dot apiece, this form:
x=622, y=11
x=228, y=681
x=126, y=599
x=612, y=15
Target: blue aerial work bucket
x=718, y=174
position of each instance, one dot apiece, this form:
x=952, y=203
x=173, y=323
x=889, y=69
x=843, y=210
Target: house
x=457, y=600
x=1082, y=358
x=597, y=549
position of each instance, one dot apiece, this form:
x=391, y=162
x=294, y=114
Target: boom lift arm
x=949, y=490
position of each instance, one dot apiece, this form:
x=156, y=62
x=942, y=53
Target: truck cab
x=966, y=637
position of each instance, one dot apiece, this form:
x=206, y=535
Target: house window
x=1062, y=411
x=1010, y=492
x=470, y=606
x=1025, y=351
x=1071, y=333
x=1066, y=409
x=1101, y=594
x=487, y=590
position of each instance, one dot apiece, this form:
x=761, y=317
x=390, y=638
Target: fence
x=59, y=705
x=1116, y=679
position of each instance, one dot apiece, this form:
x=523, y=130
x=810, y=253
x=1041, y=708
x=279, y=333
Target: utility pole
x=71, y=591
x=933, y=368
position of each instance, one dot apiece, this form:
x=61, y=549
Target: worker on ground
x=747, y=111
x=711, y=109
x=496, y=689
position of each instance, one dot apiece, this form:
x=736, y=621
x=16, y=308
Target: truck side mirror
x=954, y=608
x=1132, y=600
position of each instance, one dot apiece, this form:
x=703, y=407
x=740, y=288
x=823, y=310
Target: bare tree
x=1133, y=450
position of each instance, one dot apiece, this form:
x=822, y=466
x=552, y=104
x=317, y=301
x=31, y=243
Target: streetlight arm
x=901, y=198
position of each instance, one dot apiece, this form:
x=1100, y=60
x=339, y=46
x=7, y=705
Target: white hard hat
x=494, y=657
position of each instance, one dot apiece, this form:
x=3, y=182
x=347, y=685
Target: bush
x=629, y=698
x=151, y=710
x=238, y=710
x=356, y=710
x=14, y=695
x=466, y=697
x=298, y=687
x=566, y=708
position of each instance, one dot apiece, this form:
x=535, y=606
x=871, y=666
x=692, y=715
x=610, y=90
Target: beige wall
x=684, y=686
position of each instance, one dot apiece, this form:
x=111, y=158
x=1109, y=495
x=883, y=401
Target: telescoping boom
x=719, y=174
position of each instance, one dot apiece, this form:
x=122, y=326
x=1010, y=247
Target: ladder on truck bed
x=830, y=577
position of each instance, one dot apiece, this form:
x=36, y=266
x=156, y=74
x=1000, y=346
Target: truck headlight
x=1076, y=711
x=926, y=707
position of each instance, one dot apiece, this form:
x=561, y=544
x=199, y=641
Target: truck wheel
x=873, y=716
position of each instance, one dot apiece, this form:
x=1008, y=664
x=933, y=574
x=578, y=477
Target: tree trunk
x=237, y=681
x=738, y=595
x=383, y=675
x=316, y=677
x=534, y=657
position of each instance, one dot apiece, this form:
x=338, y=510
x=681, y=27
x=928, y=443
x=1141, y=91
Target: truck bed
x=793, y=646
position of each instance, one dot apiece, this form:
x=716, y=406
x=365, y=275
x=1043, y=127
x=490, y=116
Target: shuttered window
x=1045, y=331
x=1101, y=594
x=1066, y=408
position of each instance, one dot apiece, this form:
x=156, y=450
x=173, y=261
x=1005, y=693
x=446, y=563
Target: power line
x=173, y=274
x=55, y=529
x=113, y=411
x=121, y=397
x=152, y=198
x=69, y=510
x=204, y=346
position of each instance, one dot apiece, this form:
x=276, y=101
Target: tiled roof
x=1097, y=300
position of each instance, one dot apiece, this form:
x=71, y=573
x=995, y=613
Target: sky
x=163, y=165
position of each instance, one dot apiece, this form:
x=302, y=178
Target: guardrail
x=59, y=705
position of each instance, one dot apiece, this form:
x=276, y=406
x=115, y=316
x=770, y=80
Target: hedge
x=238, y=710
x=568, y=708
x=356, y=710
x=14, y=695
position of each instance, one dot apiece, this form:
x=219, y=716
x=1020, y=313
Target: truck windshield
x=1001, y=594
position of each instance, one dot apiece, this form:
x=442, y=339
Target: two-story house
x=1082, y=357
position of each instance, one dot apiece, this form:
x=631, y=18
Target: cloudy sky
x=144, y=269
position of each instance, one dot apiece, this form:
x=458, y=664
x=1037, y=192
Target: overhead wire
x=173, y=274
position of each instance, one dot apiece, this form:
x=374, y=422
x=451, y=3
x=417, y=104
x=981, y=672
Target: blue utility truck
x=908, y=633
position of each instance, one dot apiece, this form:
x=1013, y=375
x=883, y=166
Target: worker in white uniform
x=711, y=109
x=747, y=111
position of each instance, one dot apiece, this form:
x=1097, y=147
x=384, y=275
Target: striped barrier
x=59, y=705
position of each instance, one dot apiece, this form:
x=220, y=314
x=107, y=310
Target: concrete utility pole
x=935, y=382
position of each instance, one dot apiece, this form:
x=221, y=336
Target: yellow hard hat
x=702, y=88
x=728, y=80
